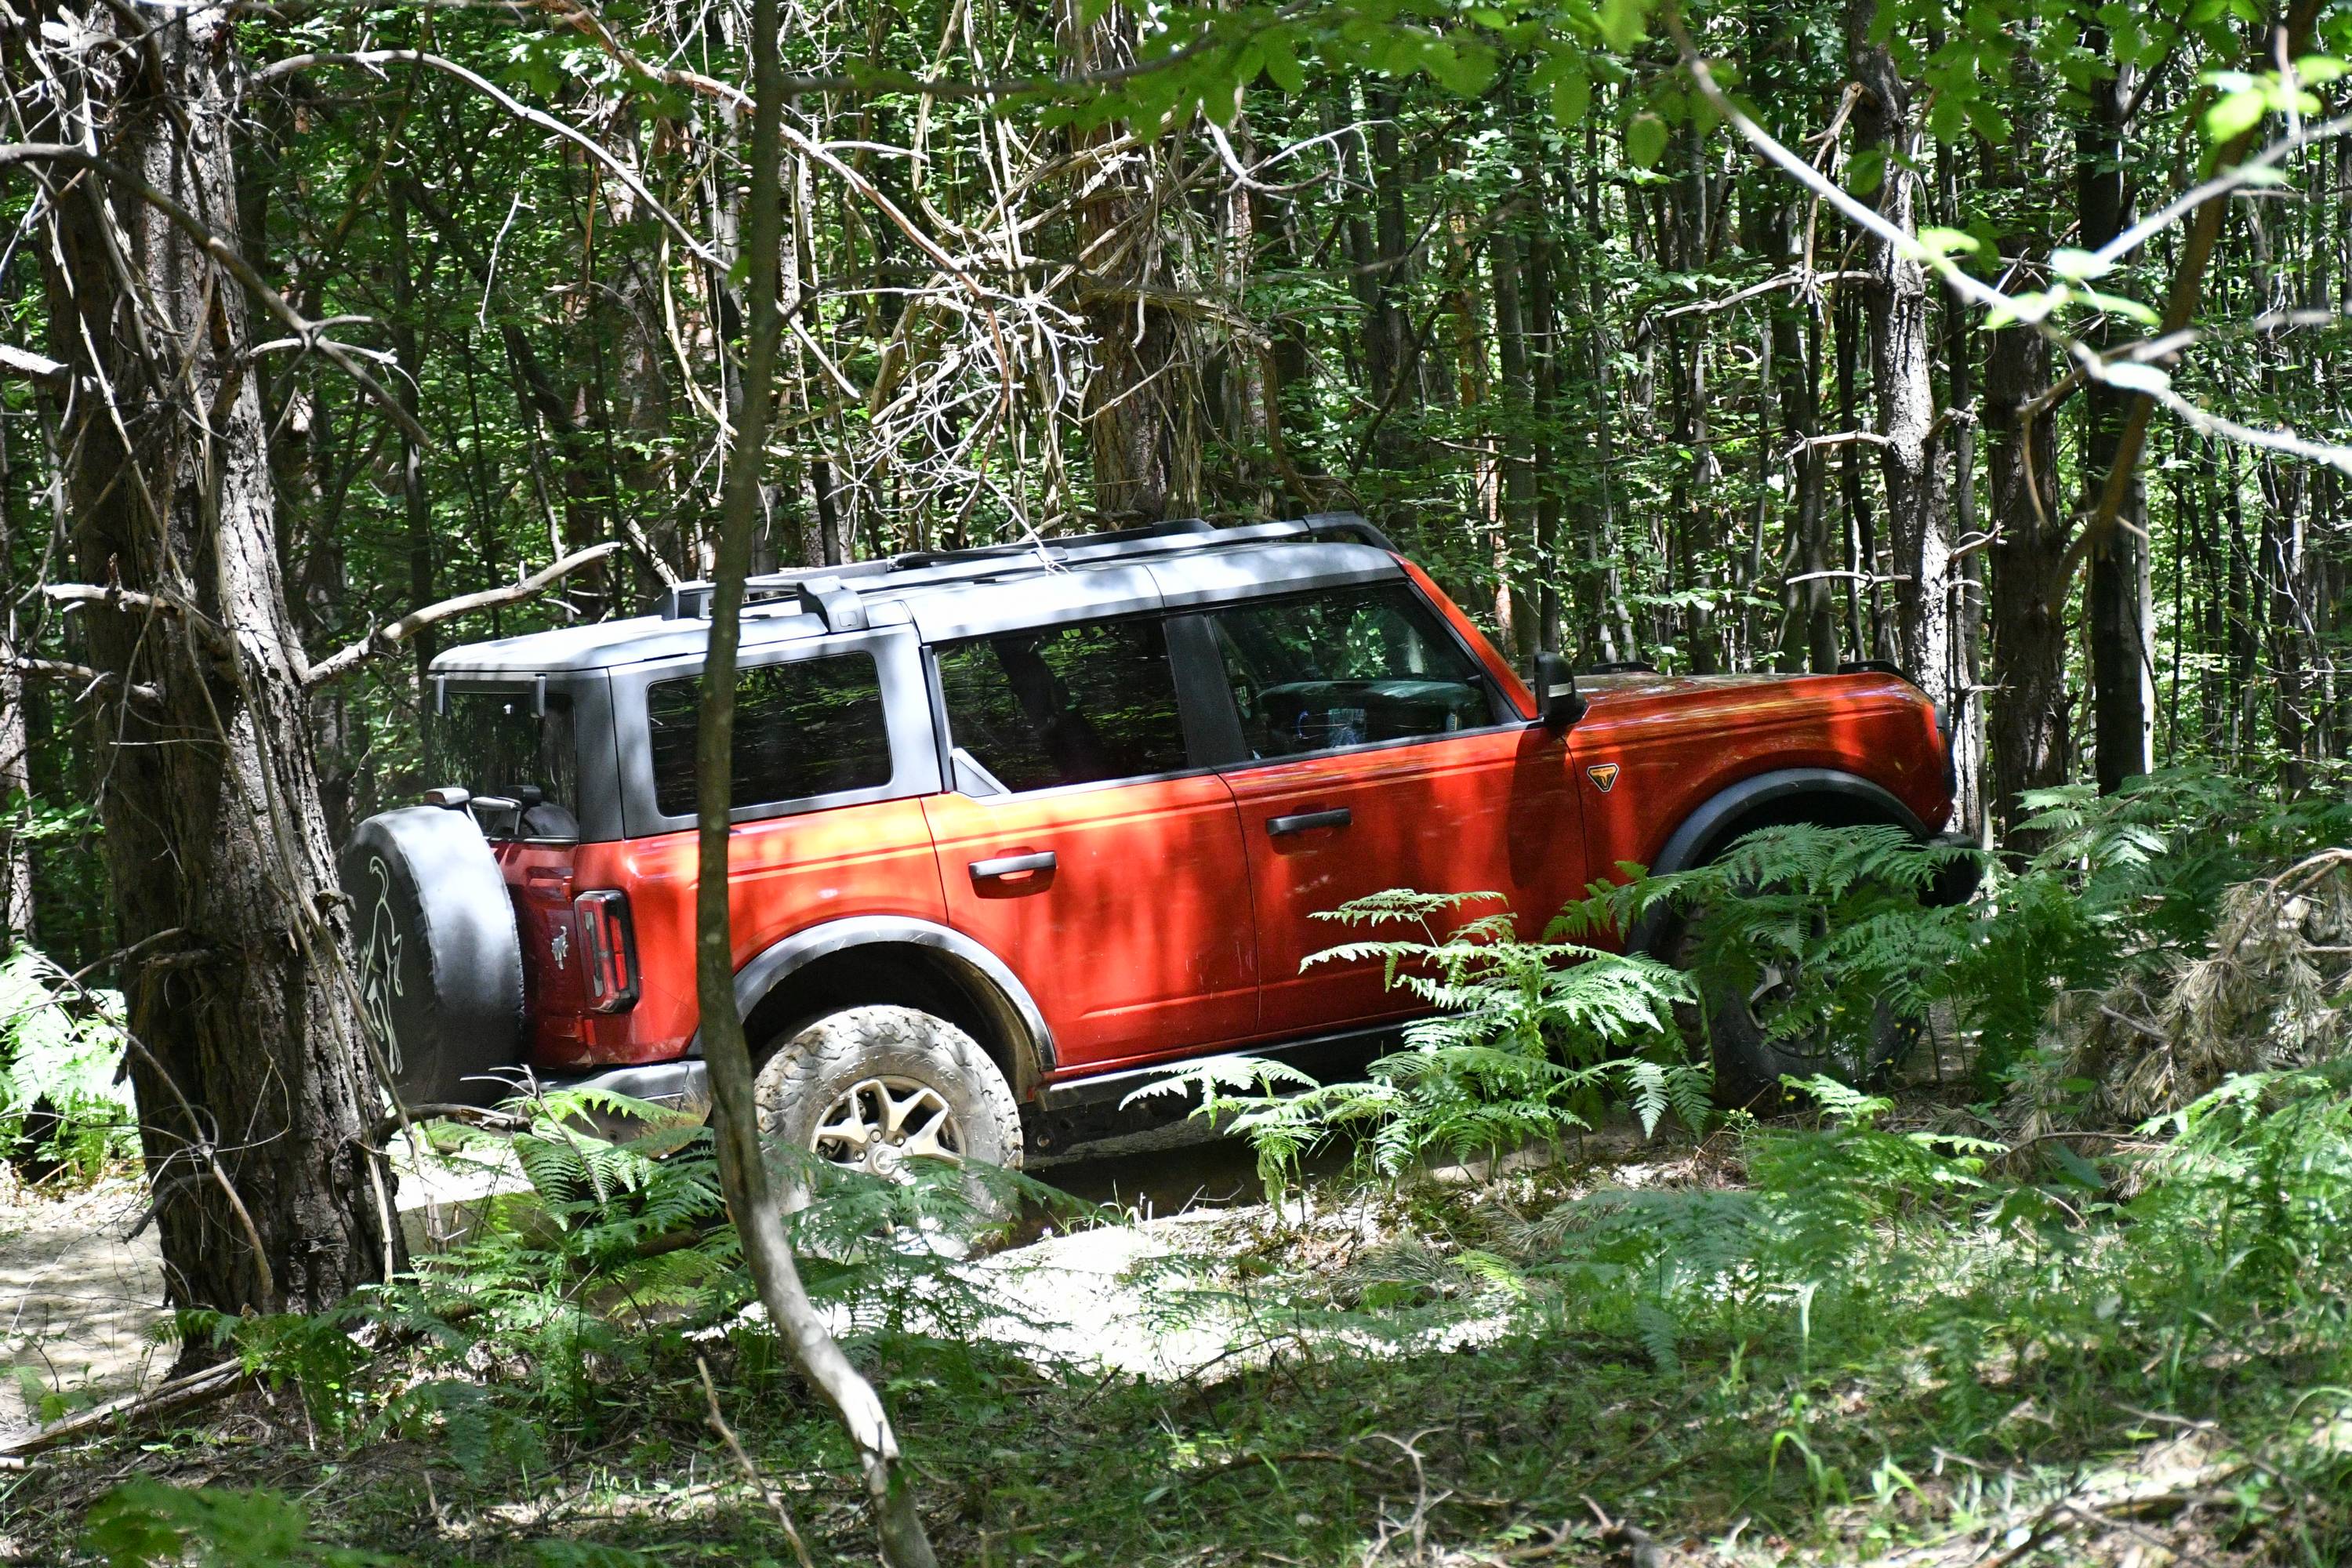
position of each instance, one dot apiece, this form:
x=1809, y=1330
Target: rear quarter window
x=809, y=727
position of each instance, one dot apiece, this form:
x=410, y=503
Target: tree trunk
x=1918, y=523
x=254, y=1074
x=2116, y=593
x=15, y=739
x=1146, y=458
x=2028, y=717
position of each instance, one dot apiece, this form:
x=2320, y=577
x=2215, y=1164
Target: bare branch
x=2113, y=369
x=92, y=679
x=384, y=638
x=373, y=59
x=38, y=369
x=221, y=250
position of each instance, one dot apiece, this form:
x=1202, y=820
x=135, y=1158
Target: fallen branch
x=165, y=1398
x=389, y=636
x=471, y=1115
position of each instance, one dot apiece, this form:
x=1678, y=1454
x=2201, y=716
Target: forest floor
x=1345, y=1379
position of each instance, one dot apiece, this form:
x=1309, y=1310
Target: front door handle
x=1308, y=821
x=1012, y=866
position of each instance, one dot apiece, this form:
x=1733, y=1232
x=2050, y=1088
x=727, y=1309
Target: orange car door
x=1380, y=756
x=1079, y=844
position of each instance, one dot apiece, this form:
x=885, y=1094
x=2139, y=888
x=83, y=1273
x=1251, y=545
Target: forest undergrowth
x=2069, y=1287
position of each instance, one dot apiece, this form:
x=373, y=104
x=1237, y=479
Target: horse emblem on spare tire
x=380, y=965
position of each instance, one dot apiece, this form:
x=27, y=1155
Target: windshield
x=493, y=742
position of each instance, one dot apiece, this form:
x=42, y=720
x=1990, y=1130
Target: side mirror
x=1556, y=699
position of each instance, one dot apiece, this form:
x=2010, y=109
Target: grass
x=1971, y=1387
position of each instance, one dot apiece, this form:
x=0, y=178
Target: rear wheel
x=879, y=1088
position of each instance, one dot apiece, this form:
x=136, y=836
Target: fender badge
x=1603, y=776
x=558, y=945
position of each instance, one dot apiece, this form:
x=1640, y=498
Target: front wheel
x=1751, y=1060
x=878, y=1088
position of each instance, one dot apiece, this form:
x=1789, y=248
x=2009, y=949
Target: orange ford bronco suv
x=1016, y=827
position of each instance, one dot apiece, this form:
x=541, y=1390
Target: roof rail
x=831, y=592
x=820, y=591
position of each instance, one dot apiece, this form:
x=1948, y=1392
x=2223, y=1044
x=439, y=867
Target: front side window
x=1066, y=705
x=1347, y=668
x=812, y=727
x=500, y=744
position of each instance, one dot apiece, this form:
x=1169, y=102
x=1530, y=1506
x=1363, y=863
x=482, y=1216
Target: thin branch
x=773, y=1498
x=384, y=638
x=1801, y=279
x=369, y=59
x=1975, y=290
x=222, y=251
x=91, y=680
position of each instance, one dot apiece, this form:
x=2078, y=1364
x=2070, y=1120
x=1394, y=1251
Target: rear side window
x=1348, y=667
x=500, y=744
x=809, y=728
x=1065, y=705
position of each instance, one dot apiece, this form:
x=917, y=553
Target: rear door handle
x=1012, y=866
x=1308, y=821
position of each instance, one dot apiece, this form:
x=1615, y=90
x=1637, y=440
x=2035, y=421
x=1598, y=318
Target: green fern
x=1527, y=1040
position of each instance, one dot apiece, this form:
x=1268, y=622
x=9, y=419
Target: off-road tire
x=809, y=1074
x=1750, y=1065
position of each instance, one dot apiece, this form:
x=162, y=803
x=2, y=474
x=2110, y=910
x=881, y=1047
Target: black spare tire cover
x=440, y=965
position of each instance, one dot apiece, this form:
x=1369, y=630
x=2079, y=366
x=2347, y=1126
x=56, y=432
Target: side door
x=1079, y=841
x=1376, y=753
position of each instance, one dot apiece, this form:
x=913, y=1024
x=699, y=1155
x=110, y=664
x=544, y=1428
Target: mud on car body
x=1017, y=826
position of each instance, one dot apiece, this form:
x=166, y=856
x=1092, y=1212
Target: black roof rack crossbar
x=832, y=593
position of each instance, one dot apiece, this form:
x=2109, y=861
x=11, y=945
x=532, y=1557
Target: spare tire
x=440, y=964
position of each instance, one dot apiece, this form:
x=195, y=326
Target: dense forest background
x=1512, y=291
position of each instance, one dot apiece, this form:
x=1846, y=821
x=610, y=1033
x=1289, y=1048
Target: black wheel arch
x=865, y=960
x=1821, y=797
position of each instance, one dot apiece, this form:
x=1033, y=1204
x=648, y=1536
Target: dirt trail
x=80, y=1298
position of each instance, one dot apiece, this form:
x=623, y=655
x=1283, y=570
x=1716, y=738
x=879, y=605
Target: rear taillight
x=608, y=942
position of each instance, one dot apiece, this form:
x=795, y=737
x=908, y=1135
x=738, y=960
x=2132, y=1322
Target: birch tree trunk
x=15, y=740
x=255, y=1089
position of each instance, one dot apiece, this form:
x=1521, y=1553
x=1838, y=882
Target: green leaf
x=1645, y=140
x=2079, y=1171
x=1282, y=67
x=1950, y=241
x=2077, y=266
x=1571, y=95
x=1623, y=22
x=2235, y=113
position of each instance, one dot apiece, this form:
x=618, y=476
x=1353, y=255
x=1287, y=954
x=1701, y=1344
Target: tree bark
x=16, y=734
x=1917, y=518
x=254, y=1063
x=1139, y=400
x=2028, y=716
x=2117, y=593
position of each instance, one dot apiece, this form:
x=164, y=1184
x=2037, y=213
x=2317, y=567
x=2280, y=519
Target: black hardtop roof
x=967, y=592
